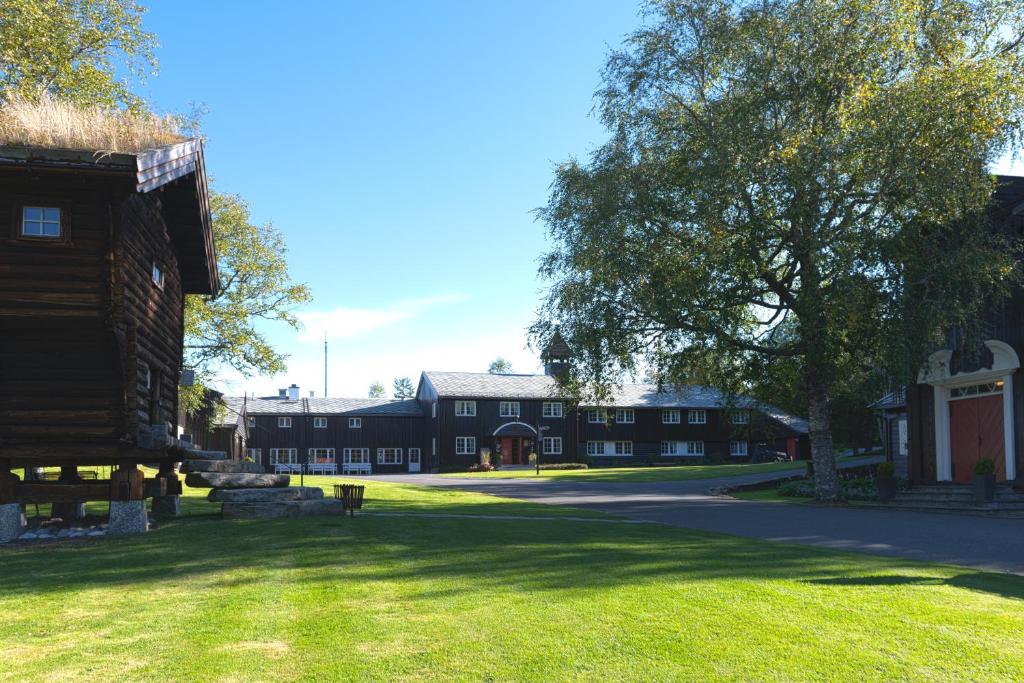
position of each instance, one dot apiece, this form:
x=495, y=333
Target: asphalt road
x=995, y=544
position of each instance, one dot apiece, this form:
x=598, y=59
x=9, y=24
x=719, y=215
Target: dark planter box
x=886, y=488
x=984, y=486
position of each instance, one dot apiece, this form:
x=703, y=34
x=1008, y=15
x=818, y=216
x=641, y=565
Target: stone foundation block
x=217, y=480
x=12, y=522
x=128, y=517
x=278, y=495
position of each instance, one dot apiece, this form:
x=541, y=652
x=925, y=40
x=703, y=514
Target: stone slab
x=128, y=517
x=278, y=495
x=166, y=506
x=218, y=480
x=12, y=522
x=223, y=466
x=205, y=455
x=293, y=508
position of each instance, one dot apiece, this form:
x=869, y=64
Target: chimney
x=282, y=393
x=293, y=392
x=311, y=393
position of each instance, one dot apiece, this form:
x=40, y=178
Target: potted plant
x=885, y=481
x=984, y=480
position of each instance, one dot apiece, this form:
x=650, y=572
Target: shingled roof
x=326, y=406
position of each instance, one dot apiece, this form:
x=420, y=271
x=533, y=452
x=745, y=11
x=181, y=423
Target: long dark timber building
x=458, y=416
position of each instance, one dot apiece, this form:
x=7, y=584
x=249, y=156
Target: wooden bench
x=356, y=468
x=322, y=468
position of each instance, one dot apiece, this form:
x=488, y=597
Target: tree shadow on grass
x=1004, y=585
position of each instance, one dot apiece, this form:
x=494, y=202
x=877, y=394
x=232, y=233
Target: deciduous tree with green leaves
x=79, y=50
x=786, y=179
x=404, y=388
x=377, y=390
x=500, y=366
x=256, y=288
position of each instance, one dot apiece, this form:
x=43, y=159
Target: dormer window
x=40, y=221
x=158, y=275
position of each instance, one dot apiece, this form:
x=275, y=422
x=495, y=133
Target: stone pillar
x=168, y=505
x=69, y=511
x=127, y=501
x=12, y=517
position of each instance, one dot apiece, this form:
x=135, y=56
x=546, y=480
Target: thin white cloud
x=345, y=323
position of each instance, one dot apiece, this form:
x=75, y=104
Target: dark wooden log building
x=97, y=251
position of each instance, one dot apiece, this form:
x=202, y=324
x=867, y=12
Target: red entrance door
x=976, y=431
x=511, y=450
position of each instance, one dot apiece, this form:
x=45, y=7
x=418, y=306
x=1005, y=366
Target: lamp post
x=540, y=444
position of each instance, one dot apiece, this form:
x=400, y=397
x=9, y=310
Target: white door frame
x=1005, y=363
x=419, y=459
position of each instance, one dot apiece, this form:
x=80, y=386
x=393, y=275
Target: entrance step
x=223, y=466
x=276, y=495
x=218, y=480
x=292, y=508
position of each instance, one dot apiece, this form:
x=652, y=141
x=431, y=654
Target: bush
x=856, y=488
x=565, y=466
x=985, y=466
x=482, y=467
x=885, y=469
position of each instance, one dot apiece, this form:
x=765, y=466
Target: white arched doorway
x=970, y=410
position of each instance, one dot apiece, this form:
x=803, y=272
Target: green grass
x=639, y=474
x=419, y=598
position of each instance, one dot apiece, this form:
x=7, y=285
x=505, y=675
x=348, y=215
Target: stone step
x=224, y=466
x=291, y=508
x=278, y=495
x=195, y=454
x=939, y=497
x=1017, y=508
x=219, y=480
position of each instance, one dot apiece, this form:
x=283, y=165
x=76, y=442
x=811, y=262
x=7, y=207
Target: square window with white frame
x=355, y=423
x=355, y=456
x=508, y=409
x=597, y=416
x=738, y=448
x=741, y=417
x=320, y=456
x=254, y=453
x=625, y=416
x=698, y=417
x=284, y=456
x=552, y=409
x=623, y=448
x=465, y=409
x=465, y=445
x=319, y=423
x=389, y=456
x=694, y=448
x=41, y=221
x=670, y=416
x=552, y=445
x=284, y=422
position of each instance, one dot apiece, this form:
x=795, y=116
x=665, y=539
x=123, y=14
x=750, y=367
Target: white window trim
x=382, y=454
x=549, y=410
x=284, y=423
x=508, y=409
x=597, y=416
x=694, y=448
x=741, y=418
x=466, y=441
x=622, y=413
x=609, y=449
x=364, y=455
x=735, y=451
x=328, y=453
x=319, y=423
x=681, y=449
x=355, y=423
x=293, y=456
x=697, y=417
x=157, y=275
x=668, y=413
x=468, y=409
x=552, y=445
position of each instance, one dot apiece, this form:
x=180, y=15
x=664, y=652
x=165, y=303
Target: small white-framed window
x=623, y=448
x=321, y=456
x=465, y=445
x=284, y=456
x=255, y=453
x=694, y=448
x=625, y=416
x=433, y=410
x=433, y=445
x=697, y=417
x=620, y=448
x=145, y=376
x=552, y=445
x=319, y=423
x=741, y=417
x=671, y=416
x=508, y=409
x=40, y=221
x=284, y=422
x=355, y=456
x=355, y=423
x=597, y=416
x=251, y=421
x=465, y=409
x=738, y=448
x=389, y=456
x=682, y=448
x=552, y=409
x=157, y=275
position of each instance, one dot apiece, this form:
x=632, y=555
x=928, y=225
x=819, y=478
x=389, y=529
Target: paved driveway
x=981, y=542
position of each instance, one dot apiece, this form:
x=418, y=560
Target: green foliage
x=403, y=387
x=789, y=186
x=74, y=50
x=255, y=288
x=985, y=466
x=885, y=469
x=377, y=390
x=500, y=366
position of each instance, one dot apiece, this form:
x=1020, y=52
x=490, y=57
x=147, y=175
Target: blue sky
x=400, y=147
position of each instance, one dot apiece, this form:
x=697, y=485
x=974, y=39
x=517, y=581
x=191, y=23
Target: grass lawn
x=420, y=598
x=640, y=474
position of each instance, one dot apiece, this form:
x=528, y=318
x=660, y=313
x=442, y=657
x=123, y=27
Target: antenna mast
x=325, y=363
